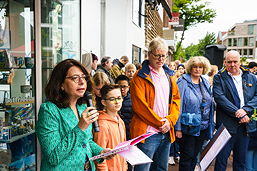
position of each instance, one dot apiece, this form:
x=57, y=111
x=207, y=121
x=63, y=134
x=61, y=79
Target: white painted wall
x=90, y=26
x=120, y=32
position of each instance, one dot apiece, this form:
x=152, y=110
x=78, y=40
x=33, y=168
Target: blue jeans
x=251, y=160
x=174, y=149
x=239, y=144
x=157, y=148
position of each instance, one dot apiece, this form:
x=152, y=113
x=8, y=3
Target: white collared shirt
x=237, y=79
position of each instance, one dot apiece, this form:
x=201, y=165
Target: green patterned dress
x=64, y=145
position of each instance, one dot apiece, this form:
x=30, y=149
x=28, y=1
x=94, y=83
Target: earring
x=62, y=88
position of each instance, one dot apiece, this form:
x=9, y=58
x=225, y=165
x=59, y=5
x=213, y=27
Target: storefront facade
x=34, y=36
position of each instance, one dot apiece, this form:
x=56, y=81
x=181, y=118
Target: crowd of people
x=182, y=102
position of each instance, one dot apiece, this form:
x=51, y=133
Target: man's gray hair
x=157, y=43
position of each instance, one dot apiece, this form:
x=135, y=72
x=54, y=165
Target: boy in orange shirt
x=112, y=128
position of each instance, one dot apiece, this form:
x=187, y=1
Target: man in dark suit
x=235, y=92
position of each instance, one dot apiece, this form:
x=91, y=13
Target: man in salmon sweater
x=156, y=104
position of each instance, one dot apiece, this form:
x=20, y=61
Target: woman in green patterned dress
x=64, y=126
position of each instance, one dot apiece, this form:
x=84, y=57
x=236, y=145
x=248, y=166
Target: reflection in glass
x=17, y=138
x=60, y=33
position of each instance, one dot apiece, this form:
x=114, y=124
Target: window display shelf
x=15, y=138
x=8, y=69
x=19, y=103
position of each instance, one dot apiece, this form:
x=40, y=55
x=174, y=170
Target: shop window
x=136, y=54
x=17, y=88
x=251, y=29
x=60, y=33
x=240, y=42
x=137, y=12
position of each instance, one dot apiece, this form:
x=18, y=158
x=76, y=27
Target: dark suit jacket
x=226, y=100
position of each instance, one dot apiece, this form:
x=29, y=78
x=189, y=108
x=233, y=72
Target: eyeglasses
x=123, y=86
x=113, y=99
x=77, y=78
x=158, y=56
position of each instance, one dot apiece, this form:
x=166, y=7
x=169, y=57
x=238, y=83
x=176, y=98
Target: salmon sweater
x=112, y=132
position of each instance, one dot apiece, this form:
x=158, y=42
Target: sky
x=229, y=12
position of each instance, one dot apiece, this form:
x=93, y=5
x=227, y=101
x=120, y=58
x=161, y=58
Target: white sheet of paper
x=135, y=156
x=126, y=146
x=215, y=149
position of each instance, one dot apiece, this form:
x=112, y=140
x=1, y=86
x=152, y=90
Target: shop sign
x=175, y=19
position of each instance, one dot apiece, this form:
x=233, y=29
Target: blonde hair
x=213, y=71
x=157, y=43
x=130, y=66
x=198, y=60
x=175, y=65
x=100, y=78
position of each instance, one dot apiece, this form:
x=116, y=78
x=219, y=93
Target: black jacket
x=126, y=113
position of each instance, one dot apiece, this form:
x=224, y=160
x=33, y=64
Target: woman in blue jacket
x=195, y=124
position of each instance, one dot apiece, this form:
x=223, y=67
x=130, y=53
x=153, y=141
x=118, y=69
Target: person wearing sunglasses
x=155, y=103
x=112, y=128
x=64, y=126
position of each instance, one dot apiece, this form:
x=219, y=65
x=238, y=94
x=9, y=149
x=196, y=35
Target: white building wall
x=136, y=34
x=90, y=26
x=120, y=33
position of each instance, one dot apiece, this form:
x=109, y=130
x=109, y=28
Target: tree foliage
x=199, y=49
x=180, y=53
x=193, y=12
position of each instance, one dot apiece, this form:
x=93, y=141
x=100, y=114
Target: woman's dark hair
x=107, y=88
x=53, y=90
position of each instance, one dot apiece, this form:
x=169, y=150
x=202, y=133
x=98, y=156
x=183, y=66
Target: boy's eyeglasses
x=123, y=86
x=77, y=78
x=113, y=99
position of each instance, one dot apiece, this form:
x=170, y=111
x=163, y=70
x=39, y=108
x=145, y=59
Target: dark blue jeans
x=239, y=144
x=157, y=148
x=174, y=149
x=190, y=146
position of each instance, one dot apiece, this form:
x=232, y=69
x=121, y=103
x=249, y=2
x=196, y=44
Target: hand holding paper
x=129, y=151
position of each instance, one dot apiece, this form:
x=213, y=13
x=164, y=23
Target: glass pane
x=240, y=42
x=245, y=51
x=250, y=51
x=235, y=42
x=60, y=33
x=136, y=51
x=17, y=114
x=251, y=41
x=136, y=17
x=246, y=41
x=229, y=42
x=250, y=29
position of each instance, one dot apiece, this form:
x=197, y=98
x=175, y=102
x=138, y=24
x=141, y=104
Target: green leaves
x=193, y=12
x=199, y=49
x=254, y=115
